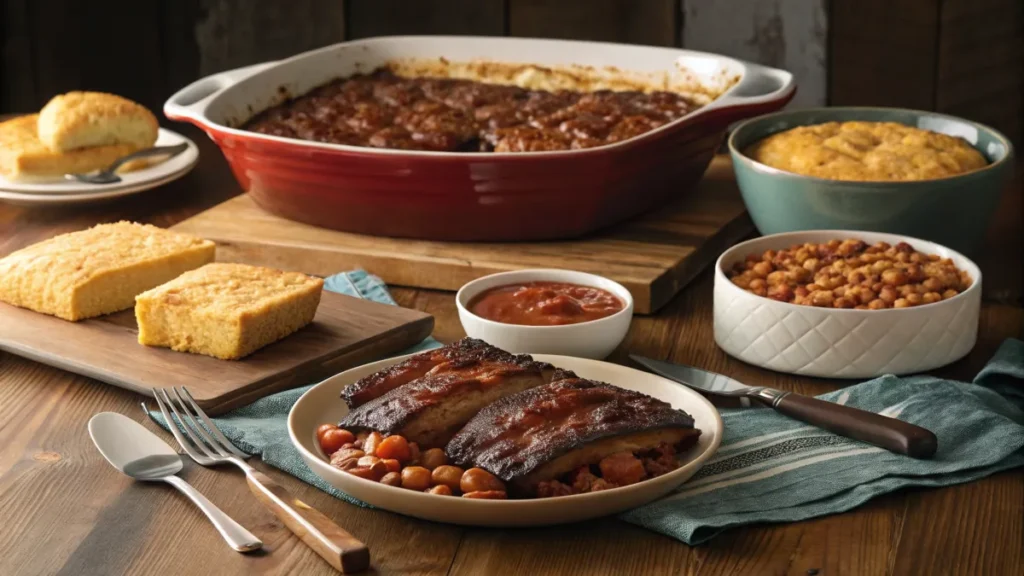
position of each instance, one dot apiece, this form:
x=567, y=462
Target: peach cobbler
x=867, y=151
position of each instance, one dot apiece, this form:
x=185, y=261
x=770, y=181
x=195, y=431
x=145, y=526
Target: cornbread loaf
x=23, y=156
x=867, y=151
x=88, y=119
x=99, y=270
x=227, y=311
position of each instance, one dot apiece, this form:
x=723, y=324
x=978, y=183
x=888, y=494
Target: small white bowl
x=843, y=343
x=595, y=339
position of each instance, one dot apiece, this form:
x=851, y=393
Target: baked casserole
x=867, y=151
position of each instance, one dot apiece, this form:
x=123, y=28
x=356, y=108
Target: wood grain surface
x=65, y=511
x=345, y=332
x=653, y=256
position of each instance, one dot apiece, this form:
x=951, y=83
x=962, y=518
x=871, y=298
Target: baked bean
x=901, y=303
x=323, y=428
x=479, y=480
x=433, y=458
x=375, y=472
x=393, y=447
x=415, y=478
x=440, y=490
x=450, y=476
x=392, y=479
x=414, y=453
x=371, y=442
x=334, y=439
x=487, y=495
x=393, y=465
x=887, y=273
x=368, y=460
x=346, y=453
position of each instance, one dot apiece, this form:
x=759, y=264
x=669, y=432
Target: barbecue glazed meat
x=455, y=356
x=430, y=409
x=545, y=432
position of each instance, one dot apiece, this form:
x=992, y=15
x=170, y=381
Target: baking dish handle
x=189, y=103
x=760, y=87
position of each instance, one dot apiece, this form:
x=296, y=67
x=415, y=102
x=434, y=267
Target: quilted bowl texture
x=840, y=343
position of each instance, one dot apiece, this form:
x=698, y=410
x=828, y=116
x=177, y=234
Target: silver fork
x=205, y=443
x=109, y=175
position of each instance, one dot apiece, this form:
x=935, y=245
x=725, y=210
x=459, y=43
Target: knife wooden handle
x=341, y=549
x=882, y=431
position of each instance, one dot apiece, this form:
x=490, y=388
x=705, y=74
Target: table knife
x=890, y=433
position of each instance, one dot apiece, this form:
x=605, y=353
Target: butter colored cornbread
x=227, y=311
x=97, y=271
x=867, y=151
x=23, y=156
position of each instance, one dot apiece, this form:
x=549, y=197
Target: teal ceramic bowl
x=954, y=212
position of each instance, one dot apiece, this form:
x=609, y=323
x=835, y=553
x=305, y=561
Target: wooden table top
x=65, y=510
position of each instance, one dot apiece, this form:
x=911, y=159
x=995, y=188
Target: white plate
x=322, y=404
x=60, y=191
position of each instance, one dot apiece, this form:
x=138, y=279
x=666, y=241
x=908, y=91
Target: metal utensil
x=139, y=453
x=109, y=175
x=882, y=431
x=201, y=440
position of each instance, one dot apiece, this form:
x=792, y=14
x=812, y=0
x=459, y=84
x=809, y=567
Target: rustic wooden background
x=964, y=57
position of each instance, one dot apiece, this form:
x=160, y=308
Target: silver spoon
x=139, y=453
x=109, y=175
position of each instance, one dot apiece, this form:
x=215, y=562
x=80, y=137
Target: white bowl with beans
x=897, y=319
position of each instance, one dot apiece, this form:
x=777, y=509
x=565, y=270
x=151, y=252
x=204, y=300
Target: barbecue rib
x=544, y=432
x=454, y=356
x=430, y=409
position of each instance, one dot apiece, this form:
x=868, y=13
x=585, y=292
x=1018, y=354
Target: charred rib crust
x=455, y=356
x=517, y=434
x=462, y=376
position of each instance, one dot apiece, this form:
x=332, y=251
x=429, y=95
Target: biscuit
x=88, y=119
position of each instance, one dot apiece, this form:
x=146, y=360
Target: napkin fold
x=769, y=468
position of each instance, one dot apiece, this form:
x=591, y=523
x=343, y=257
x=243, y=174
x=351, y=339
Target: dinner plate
x=322, y=404
x=59, y=191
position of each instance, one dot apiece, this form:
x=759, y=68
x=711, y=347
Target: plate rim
x=512, y=504
x=80, y=192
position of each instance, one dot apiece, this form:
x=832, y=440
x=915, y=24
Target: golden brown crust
x=88, y=119
x=226, y=310
x=23, y=155
x=97, y=271
x=867, y=151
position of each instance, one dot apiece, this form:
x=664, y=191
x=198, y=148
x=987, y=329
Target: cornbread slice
x=23, y=156
x=99, y=270
x=227, y=311
x=88, y=119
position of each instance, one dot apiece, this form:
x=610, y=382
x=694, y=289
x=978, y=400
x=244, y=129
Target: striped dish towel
x=769, y=468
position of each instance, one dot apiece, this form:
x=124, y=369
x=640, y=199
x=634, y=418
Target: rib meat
x=455, y=356
x=430, y=409
x=544, y=432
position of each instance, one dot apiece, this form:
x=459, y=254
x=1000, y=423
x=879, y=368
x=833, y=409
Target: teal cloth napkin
x=769, y=468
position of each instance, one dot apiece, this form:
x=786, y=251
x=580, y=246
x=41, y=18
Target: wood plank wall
x=964, y=57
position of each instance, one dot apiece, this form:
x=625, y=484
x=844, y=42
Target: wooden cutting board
x=653, y=256
x=345, y=332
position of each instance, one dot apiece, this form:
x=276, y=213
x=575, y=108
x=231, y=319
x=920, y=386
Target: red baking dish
x=466, y=196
